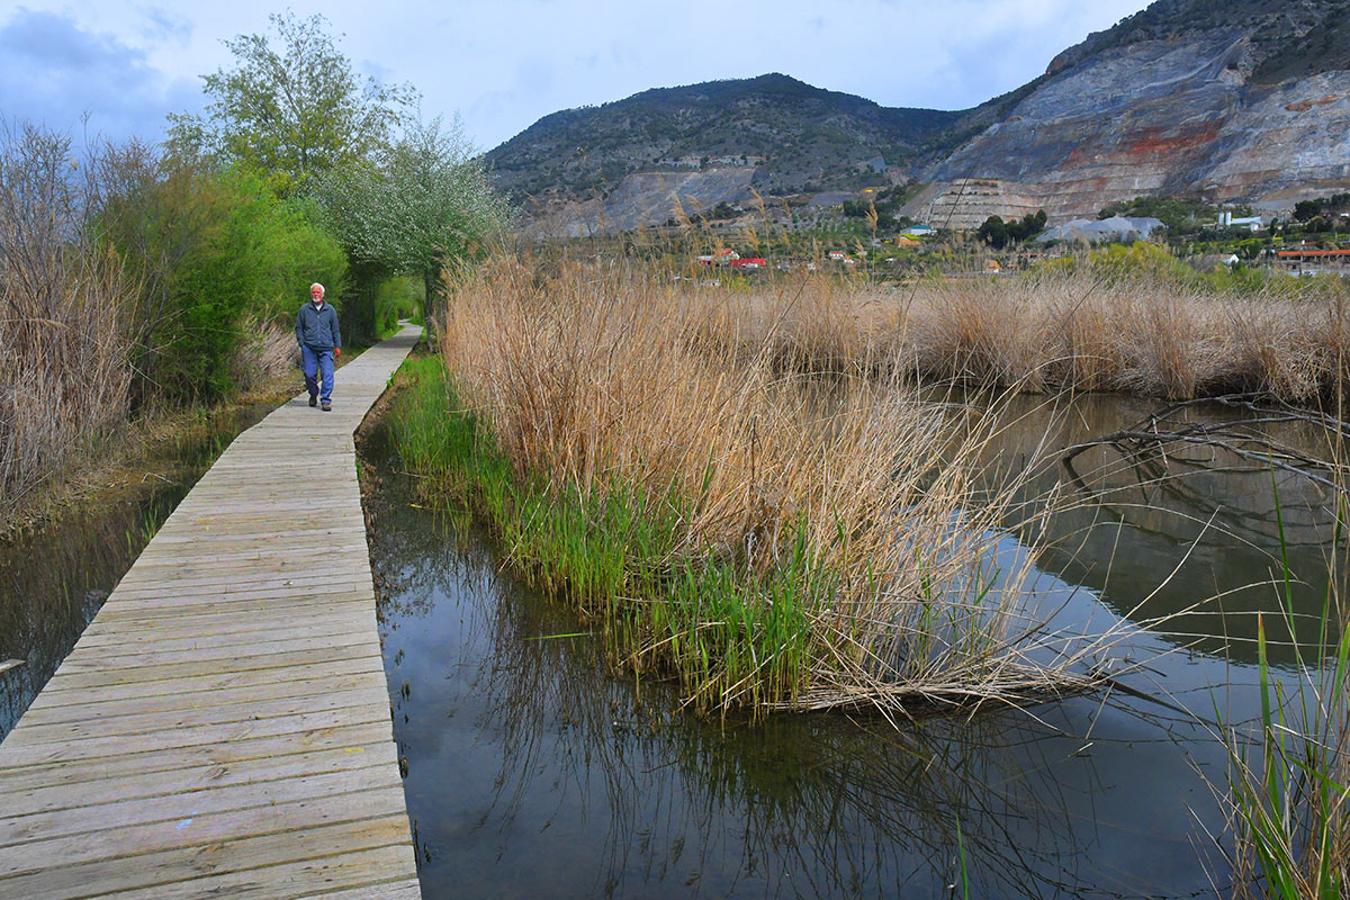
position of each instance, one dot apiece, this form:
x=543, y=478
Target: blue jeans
x=318, y=362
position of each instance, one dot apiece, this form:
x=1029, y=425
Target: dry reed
x=64, y=367
x=599, y=379
x=266, y=351
x=1143, y=333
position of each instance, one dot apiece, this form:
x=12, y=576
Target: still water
x=531, y=772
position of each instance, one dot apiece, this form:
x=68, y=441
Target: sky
x=115, y=68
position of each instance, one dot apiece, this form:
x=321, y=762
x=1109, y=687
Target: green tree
x=993, y=232
x=1305, y=210
x=292, y=110
x=209, y=248
x=417, y=209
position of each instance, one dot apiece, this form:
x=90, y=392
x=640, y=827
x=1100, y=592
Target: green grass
x=732, y=636
x=1290, y=790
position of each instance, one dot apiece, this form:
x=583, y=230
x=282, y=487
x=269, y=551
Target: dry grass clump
x=1142, y=333
x=64, y=374
x=778, y=539
x=266, y=352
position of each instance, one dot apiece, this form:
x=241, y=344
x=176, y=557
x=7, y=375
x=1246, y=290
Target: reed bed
x=266, y=352
x=65, y=371
x=1139, y=332
x=768, y=538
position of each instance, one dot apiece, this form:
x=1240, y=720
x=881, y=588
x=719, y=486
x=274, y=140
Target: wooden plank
x=134, y=629
x=268, y=860
x=64, y=692
x=208, y=593
x=245, y=578
x=92, y=819
x=223, y=725
x=92, y=662
x=142, y=785
x=290, y=660
x=209, y=605
x=217, y=699
x=346, y=739
x=349, y=874
x=409, y=889
x=150, y=718
x=27, y=751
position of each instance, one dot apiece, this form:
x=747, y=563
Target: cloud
x=163, y=25
x=54, y=73
x=128, y=62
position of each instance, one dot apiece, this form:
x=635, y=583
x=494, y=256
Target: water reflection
x=530, y=772
x=1157, y=534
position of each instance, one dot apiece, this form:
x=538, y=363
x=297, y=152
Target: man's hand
x=337, y=351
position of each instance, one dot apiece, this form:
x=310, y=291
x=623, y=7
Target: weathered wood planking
x=222, y=726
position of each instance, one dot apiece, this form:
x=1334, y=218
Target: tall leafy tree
x=292, y=106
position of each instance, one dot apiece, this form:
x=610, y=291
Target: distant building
x=1126, y=229
x=918, y=230
x=1313, y=262
x=837, y=255
x=1208, y=262
x=719, y=257
x=750, y=263
x=1251, y=223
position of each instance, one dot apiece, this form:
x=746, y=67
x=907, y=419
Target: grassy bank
x=770, y=540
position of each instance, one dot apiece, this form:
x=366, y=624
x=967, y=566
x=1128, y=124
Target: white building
x=1251, y=223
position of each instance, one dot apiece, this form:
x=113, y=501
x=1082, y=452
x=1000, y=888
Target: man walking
x=316, y=331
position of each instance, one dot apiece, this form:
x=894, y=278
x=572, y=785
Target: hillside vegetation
x=797, y=135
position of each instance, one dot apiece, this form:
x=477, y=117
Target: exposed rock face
x=1166, y=117
x=967, y=202
x=646, y=198
x=1231, y=100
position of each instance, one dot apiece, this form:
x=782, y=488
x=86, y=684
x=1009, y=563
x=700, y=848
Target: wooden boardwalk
x=223, y=725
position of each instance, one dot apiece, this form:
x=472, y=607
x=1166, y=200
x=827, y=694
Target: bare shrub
x=64, y=375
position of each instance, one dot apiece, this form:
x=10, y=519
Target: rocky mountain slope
x=1243, y=100
x=711, y=142
x=1240, y=100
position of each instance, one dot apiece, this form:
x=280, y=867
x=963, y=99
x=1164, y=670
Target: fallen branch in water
x=1243, y=438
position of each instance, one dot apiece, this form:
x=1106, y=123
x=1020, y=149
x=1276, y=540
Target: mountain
x=1231, y=100
x=712, y=142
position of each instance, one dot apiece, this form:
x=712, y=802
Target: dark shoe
x=313, y=401
x=327, y=407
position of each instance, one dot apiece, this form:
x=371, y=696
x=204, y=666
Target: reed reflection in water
x=531, y=772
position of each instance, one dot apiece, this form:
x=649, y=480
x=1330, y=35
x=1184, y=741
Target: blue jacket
x=318, y=328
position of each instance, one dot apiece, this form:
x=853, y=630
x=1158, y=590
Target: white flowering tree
x=419, y=208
